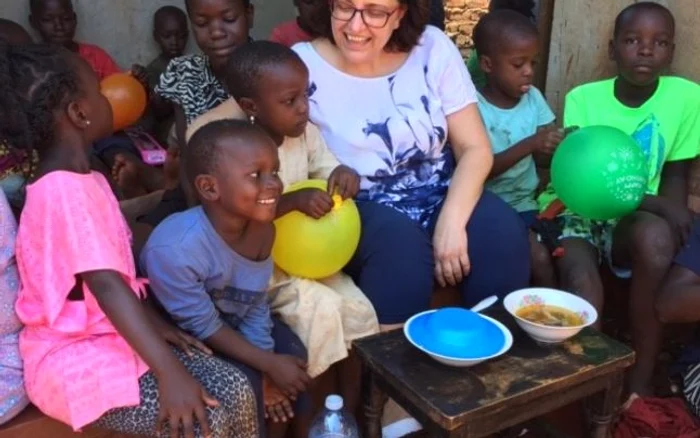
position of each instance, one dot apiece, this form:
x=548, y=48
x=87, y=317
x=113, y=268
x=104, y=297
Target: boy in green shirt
x=661, y=114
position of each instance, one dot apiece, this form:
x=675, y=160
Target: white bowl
x=553, y=297
x=460, y=362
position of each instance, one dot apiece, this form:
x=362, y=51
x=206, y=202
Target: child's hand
x=679, y=218
x=278, y=407
x=289, y=374
x=140, y=73
x=313, y=202
x=547, y=139
x=345, y=181
x=182, y=401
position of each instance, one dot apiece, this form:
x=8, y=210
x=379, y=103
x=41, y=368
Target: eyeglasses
x=371, y=17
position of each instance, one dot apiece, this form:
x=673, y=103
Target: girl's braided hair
x=36, y=81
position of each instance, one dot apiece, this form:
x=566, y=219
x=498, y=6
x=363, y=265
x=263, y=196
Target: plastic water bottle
x=333, y=421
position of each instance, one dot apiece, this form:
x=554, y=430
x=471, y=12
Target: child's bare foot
x=126, y=174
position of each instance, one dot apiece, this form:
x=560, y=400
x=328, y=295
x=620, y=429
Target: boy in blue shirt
x=210, y=266
x=518, y=120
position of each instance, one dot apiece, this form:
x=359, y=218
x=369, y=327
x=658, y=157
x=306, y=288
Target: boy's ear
x=248, y=106
x=250, y=15
x=611, y=50
x=485, y=63
x=206, y=187
x=32, y=22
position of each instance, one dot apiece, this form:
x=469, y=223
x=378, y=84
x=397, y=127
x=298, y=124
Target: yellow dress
x=326, y=314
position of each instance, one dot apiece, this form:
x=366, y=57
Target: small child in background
x=518, y=120
x=13, y=397
x=269, y=83
x=13, y=33
x=524, y=7
x=662, y=114
x=170, y=32
x=93, y=352
x=299, y=29
x=209, y=267
x=56, y=22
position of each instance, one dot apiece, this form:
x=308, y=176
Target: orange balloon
x=127, y=97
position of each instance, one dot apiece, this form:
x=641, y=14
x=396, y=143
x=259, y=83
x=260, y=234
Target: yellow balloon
x=310, y=248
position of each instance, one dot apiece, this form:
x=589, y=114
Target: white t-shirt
x=393, y=129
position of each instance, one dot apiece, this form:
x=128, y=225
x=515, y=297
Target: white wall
x=124, y=27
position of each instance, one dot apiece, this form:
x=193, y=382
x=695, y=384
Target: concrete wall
x=123, y=27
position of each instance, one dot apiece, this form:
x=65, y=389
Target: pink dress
x=76, y=365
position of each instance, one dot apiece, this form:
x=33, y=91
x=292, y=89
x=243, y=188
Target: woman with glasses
x=394, y=101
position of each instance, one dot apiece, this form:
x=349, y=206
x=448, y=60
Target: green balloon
x=599, y=172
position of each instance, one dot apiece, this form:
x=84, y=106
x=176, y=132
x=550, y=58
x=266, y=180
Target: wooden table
x=529, y=381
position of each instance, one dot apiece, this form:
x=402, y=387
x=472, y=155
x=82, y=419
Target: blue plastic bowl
x=456, y=333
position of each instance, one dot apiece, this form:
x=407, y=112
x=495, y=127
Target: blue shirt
x=506, y=128
x=204, y=284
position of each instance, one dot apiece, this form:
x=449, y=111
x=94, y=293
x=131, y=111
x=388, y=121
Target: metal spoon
x=485, y=304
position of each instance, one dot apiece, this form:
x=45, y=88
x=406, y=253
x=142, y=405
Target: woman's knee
x=498, y=240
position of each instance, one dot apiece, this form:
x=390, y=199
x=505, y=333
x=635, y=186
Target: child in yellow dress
x=269, y=83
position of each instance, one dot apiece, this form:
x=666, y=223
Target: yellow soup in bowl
x=552, y=316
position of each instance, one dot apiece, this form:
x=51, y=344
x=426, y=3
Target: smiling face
x=220, y=26
x=362, y=28
x=246, y=177
x=644, y=45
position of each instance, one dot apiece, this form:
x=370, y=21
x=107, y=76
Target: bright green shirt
x=666, y=127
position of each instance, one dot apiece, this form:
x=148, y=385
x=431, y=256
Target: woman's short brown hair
x=404, y=39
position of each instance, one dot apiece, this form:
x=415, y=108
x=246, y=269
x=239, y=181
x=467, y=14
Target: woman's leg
x=236, y=415
x=499, y=251
x=393, y=264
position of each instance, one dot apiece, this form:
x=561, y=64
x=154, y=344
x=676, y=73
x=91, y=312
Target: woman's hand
x=450, y=250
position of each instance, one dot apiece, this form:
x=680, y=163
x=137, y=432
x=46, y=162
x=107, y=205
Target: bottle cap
x=334, y=402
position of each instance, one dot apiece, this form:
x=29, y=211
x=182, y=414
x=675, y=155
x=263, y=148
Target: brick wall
x=461, y=16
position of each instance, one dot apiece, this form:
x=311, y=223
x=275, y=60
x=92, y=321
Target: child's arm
x=672, y=200
x=180, y=394
x=545, y=141
x=315, y=203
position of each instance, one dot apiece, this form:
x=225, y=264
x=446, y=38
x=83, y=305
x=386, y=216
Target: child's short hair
x=525, y=7
x=202, y=152
x=165, y=11
x=495, y=27
x=645, y=6
x=37, y=5
x=248, y=62
x=246, y=3
x=35, y=81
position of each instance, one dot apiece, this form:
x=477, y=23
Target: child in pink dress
x=93, y=352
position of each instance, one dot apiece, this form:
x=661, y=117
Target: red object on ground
x=657, y=418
